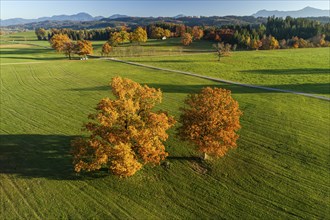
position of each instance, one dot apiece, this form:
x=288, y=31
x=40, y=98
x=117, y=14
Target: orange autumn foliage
x=197, y=33
x=84, y=47
x=210, y=121
x=106, y=49
x=124, y=133
x=186, y=39
x=58, y=42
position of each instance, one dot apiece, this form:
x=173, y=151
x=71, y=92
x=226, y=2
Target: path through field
x=220, y=80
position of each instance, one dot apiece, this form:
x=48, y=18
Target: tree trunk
x=205, y=156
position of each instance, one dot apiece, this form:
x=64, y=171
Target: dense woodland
x=275, y=33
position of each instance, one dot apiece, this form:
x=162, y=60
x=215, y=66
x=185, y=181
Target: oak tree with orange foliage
x=125, y=133
x=58, y=42
x=186, y=39
x=210, y=120
x=106, y=49
x=84, y=47
x=197, y=33
x=69, y=48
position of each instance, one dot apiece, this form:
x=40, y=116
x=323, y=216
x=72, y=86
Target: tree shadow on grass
x=36, y=58
x=166, y=61
x=289, y=71
x=39, y=156
x=191, y=158
x=25, y=51
x=312, y=88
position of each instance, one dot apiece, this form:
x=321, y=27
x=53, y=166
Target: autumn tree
x=139, y=35
x=210, y=120
x=186, y=39
x=124, y=36
x=167, y=33
x=180, y=30
x=283, y=44
x=69, y=48
x=84, y=47
x=273, y=43
x=125, y=133
x=115, y=39
x=58, y=41
x=119, y=37
x=197, y=33
x=255, y=44
x=157, y=33
x=106, y=49
x=222, y=49
x=269, y=42
x=41, y=33
x=294, y=42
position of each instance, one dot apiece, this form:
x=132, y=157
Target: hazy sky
x=40, y=8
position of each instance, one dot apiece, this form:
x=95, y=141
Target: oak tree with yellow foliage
x=157, y=32
x=210, y=120
x=139, y=35
x=115, y=38
x=125, y=133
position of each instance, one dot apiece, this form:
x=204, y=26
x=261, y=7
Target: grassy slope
x=279, y=170
x=305, y=70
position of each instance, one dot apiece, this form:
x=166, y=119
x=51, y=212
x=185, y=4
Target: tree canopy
x=125, y=133
x=58, y=41
x=210, y=120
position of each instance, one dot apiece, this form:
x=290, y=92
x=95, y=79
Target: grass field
x=152, y=47
x=305, y=70
x=280, y=169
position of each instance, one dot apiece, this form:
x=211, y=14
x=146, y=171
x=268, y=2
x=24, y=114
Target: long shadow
x=316, y=88
x=289, y=71
x=167, y=61
x=37, y=58
x=192, y=158
x=33, y=155
x=24, y=51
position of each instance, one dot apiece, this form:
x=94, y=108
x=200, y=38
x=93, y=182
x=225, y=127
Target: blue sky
x=40, y=8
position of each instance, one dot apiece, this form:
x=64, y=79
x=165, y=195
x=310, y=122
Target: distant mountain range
x=76, y=17
x=87, y=21
x=305, y=12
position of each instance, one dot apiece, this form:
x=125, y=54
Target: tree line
x=276, y=33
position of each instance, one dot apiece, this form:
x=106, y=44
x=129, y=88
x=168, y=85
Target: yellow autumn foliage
x=124, y=133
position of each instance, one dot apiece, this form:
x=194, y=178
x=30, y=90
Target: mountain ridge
x=85, y=17
x=81, y=16
x=305, y=12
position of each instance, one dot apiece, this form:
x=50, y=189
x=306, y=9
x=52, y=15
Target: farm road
x=221, y=80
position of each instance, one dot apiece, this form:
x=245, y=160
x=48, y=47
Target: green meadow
x=280, y=169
